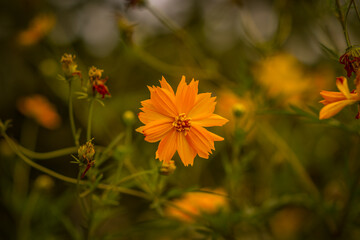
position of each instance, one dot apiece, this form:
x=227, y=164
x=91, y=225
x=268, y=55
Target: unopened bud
x=44, y=182
x=129, y=117
x=238, y=110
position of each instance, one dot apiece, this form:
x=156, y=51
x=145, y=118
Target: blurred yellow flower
x=178, y=121
x=335, y=101
x=40, y=109
x=38, y=28
x=283, y=78
x=193, y=204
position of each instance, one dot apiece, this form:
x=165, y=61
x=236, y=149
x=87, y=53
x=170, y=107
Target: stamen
x=182, y=123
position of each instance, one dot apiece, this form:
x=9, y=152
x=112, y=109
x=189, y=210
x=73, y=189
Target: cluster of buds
x=86, y=153
x=351, y=60
x=69, y=66
x=98, y=84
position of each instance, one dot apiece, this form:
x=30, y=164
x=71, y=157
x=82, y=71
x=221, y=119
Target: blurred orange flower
x=38, y=28
x=40, y=109
x=335, y=101
x=192, y=204
x=178, y=121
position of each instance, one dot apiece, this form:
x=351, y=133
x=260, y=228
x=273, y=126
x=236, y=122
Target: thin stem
x=47, y=155
x=91, y=107
x=59, y=176
x=293, y=160
x=356, y=10
x=71, y=116
x=179, y=32
x=343, y=21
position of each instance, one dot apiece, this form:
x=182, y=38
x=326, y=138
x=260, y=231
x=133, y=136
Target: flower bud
x=129, y=118
x=44, y=182
x=167, y=168
x=238, y=110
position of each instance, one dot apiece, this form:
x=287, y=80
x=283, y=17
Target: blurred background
x=280, y=172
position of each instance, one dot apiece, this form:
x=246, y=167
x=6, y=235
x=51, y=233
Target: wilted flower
x=40, y=109
x=86, y=153
x=38, y=28
x=98, y=84
x=351, y=60
x=178, y=121
x=335, y=101
x=193, y=204
x=69, y=66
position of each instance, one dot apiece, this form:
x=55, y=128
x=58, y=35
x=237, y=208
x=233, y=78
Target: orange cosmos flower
x=178, y=121
x=39, y=108
x=192, y=204
x=335, y=101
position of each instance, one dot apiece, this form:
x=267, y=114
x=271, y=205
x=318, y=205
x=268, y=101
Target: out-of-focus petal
x=333, y=108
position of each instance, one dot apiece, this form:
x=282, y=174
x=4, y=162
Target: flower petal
x=163, y=101
x=186, y=95
x=342, y=85
x=204, y=106
x=164, y=84
x=197, y=142
x=212, y=120
x=156, y=130
x=333, y=108
x=330, y=97
x=185, y=150
x=167, y=146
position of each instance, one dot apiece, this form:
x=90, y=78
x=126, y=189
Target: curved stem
x=71, y=116
x=47, y=155
x=59, y=176
x=91, y=107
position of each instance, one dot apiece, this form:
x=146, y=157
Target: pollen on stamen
x=182, y=123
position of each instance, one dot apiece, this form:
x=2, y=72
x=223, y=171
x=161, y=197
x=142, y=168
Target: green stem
x=343, y=21
x=71, y=116
x=356, y=10
x=106, y=151
x=291, y=157
x=47, y=155
x=59, y=176
x=27, y=213
x=179, y=32
x=91, y=107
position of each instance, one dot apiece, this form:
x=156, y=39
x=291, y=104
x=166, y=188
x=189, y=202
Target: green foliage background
x=289, y=176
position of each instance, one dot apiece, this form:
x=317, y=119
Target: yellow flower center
x=182, y=123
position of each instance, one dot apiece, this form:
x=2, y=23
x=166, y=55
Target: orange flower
x=178, y=121
x=335, y=101
x=38, y=28
x=192, y=204
x=39, y=108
